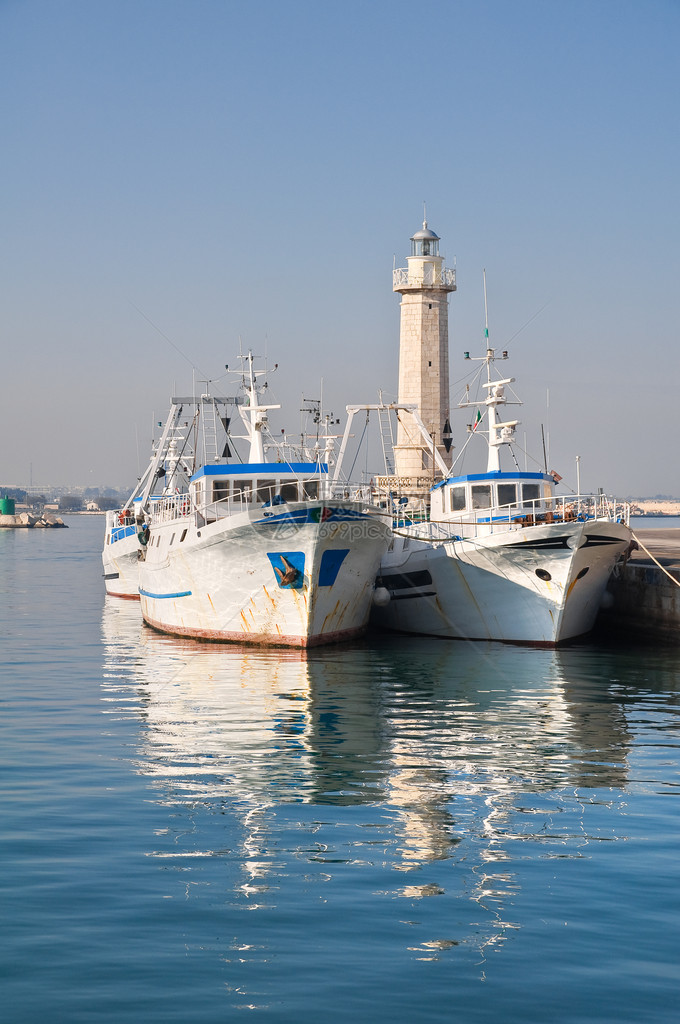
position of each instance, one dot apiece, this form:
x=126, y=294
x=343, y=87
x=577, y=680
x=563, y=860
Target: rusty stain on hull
x=331, y=615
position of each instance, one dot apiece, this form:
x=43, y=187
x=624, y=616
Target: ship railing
x=230, y=505
x=120, y=523
x=405, y=511
x=563, y=508
x=532, y=512
x=267, y=498
x=114, y=517
x=352, y=492
x=172, y=506
x=566, y=508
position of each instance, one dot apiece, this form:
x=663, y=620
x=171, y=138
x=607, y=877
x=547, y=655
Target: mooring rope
x=648, y=552
x=442, y=540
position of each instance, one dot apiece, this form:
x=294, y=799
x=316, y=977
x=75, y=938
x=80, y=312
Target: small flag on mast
x=478, y=420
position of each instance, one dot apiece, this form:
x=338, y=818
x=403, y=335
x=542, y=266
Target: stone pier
x=646, y=596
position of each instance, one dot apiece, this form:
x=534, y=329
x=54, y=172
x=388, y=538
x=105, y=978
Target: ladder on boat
x=210, y=424
x=386, y=438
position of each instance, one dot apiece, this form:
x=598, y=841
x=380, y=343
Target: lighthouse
x=424, y=286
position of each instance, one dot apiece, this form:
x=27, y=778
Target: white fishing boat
x=120, y=555
x=263, y=550
x=501, y=556
x=126, y=529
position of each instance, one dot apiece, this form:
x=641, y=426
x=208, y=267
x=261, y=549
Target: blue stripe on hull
x=162, y=597
x=302, y=517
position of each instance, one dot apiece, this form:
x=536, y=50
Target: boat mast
x=255, y=415
x=493, y=461
x=499, y=432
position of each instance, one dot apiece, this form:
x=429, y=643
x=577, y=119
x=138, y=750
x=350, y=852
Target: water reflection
x=225, y=723
x=459, y=753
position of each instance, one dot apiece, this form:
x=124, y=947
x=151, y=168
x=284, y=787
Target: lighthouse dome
x=425, y=242
x=425, y=232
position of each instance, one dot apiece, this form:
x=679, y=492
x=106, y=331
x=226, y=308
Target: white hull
x=229, y=580
x=120, y=559
x=539, y=585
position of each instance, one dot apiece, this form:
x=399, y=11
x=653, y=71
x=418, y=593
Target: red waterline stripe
x=259, y=639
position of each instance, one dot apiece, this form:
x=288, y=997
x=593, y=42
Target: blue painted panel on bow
x=331, y=561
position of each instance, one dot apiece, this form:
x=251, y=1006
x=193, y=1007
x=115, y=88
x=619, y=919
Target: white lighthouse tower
x=424, y=286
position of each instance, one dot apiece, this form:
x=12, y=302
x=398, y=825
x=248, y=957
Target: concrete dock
x=646, y=595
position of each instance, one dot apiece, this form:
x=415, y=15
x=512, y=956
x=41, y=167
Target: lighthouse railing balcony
x=431, y=277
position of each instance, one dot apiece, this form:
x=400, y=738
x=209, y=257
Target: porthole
x=583, y=572
x=543, y=574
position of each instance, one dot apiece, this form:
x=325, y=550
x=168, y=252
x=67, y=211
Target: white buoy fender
x=381, y=597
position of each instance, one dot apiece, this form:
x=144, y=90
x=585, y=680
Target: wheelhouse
x=218, y=490
x=492, y=497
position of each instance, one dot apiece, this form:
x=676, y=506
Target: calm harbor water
x=402, y=830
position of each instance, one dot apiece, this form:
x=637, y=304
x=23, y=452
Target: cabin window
x=507, y=494
x=184, y=533
x=547, y=491
x=172, y=538
x=530, y=493
x=289, y=492
x=220, y=490
x=456, y=499
x=265, y=490
x=481, y=496
x=311, y=488
x=242, y=489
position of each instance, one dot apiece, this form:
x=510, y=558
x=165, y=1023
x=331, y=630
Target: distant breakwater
x=24, y=521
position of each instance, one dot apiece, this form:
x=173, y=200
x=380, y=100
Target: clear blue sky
x=210, y=170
